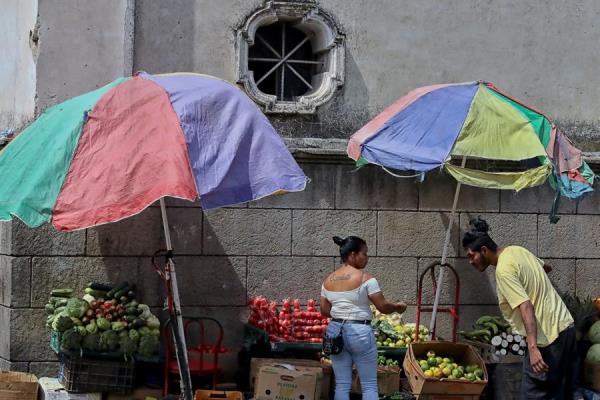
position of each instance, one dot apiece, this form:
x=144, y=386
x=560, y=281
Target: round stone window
x=290, y=56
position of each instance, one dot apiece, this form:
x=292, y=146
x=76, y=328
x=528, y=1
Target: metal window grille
x=282, y=61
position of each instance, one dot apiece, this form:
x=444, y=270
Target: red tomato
x=324, y=321
x=311, y=303
x=316, y=340
x=296, y=304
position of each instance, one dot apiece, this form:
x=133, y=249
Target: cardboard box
x=462, y=354
x=591, y=375
x=218, y=395
x=288, y=382
x=18, y=386
x=139, y=393
x=388, y=381
x=257, y=363
x=52, y=389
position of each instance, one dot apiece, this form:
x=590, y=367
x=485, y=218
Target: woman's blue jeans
x=360, y=350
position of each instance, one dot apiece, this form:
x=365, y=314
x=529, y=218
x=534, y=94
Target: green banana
x=483, y=319
x=492, y=326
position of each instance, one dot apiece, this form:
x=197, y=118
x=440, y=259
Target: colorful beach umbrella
x=436, y=126
x=447, y=125
x=110, y=153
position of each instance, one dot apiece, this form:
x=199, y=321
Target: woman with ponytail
x=530, y=303
x=346, y=295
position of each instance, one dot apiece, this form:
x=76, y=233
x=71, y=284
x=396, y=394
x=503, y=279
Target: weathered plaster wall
x=531, y=50
x=83, y=45
x=18, y=53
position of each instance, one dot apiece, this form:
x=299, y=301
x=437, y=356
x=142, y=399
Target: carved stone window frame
x=326, y=39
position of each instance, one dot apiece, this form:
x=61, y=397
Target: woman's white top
x=352, y=304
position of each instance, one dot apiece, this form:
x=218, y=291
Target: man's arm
x=535, y=356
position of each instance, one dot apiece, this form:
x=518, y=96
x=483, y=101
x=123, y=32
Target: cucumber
x=61, y=292
x=138, y=323
x=130, y=318
x=121, y=292
x=111, y=293
x=100, y=286
x=132, y=310
x=58, y=301
x=95, y=293
x=49, y=309
x=123, y=299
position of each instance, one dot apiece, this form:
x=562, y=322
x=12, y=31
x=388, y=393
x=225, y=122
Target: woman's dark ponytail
x=349, y=245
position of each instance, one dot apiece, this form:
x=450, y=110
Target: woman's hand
x=400, y=307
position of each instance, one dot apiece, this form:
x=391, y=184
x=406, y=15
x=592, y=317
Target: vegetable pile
x=107, y=319
x=390, y=331
x=292, y=323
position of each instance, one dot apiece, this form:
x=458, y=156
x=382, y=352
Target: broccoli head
x=71, y=340
x=148, y=346
x=91, y=342
x=109, y=341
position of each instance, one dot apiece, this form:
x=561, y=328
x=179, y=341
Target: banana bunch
x=486, y=327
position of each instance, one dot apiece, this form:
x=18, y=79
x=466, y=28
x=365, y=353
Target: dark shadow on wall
x=339, y=118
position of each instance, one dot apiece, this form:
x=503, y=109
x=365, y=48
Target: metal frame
x=453, y=311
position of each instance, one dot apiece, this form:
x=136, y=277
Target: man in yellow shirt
x=530, y=303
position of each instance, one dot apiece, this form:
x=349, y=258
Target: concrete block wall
x=281, y=247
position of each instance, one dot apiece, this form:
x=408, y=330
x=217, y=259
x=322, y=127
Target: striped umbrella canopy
x=434, y=126
x=110, y=153
x=444, y=126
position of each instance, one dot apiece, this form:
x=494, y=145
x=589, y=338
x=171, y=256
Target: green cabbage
x=103, y=324
x=76, y=308
x=595, y=333
x=593, y=354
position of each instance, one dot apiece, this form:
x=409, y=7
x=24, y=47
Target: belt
x=353, y=321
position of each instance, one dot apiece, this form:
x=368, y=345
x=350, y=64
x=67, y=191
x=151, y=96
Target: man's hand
x=536, y=360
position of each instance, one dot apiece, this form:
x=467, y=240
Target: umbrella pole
x=175, y=311
x=438, y=290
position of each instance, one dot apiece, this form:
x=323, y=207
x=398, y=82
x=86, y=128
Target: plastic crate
x=82, y=375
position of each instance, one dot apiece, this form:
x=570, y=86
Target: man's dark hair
x=349, y=245
x=477, y=236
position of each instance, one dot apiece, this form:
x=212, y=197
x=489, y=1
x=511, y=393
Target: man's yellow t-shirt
x=520, y=276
